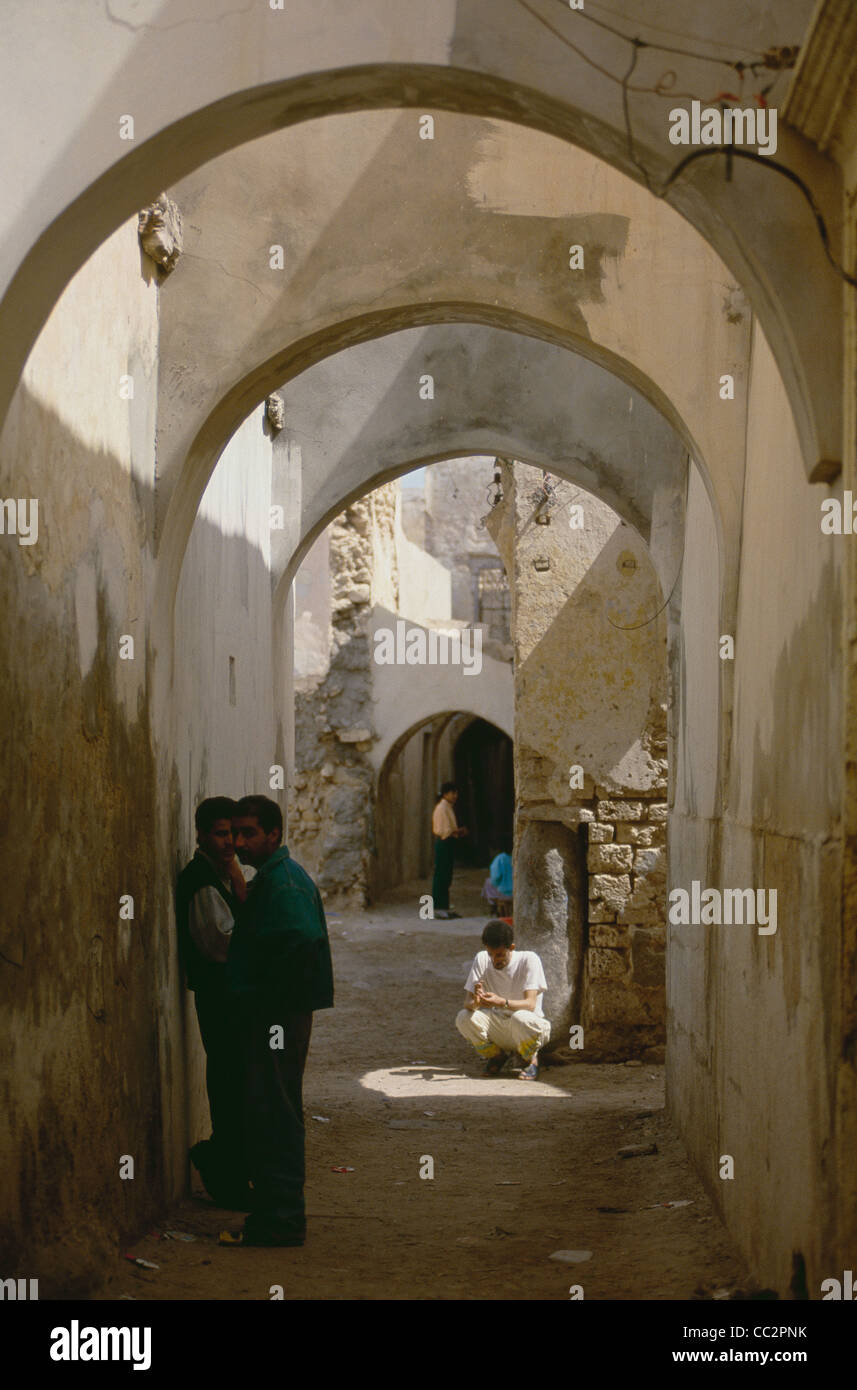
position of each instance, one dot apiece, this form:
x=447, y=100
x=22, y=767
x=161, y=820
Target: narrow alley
x=521, y=1170
x=428, y=453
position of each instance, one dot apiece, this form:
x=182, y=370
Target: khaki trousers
x=492, y=1031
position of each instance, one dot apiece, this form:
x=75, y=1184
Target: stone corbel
x=159, y=227
x=275, y=412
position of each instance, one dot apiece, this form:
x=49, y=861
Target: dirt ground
x=521, y=1170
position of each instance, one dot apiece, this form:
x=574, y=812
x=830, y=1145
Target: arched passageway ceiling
x=456, y=720
x=371, y=248
x=199, y=78
x=405, y=697
x=356, y=419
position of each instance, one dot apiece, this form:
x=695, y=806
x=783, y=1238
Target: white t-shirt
x=523, y=972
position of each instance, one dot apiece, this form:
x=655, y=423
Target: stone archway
x=749, y=805
x=445, y=263
x=445, y=59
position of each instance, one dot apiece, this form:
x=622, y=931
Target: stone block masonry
x=616, y=924
x=626, y=867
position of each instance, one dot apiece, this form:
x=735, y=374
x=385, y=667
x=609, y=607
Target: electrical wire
x=660, y=47
x=738, y=65
x=730, y=151
x=557, y=33
x=626, y=111
x=673, y=33
x=546, y=497
x=635, y=627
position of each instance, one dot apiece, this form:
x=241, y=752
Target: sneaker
x=441, y=914
x=496, y=1064
x=452, y=915
x=530, y=1073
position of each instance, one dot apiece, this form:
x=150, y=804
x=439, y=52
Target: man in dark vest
x=208, y=893
x=279, y=971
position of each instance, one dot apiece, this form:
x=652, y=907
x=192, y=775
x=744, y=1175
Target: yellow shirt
x=443, y=822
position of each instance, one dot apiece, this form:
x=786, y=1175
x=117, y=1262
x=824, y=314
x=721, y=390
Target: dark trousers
x=274, y=1125
x=442, y=878
x=224, y=1082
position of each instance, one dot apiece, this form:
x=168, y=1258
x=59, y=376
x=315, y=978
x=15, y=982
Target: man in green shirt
x=278, y=971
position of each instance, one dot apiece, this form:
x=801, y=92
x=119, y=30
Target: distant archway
x=486, y=782
x=431, y=752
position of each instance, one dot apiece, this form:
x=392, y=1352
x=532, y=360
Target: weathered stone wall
x=85, y=1073
x=348, y=723
x=105, y=1058
x=590, y=764
x=846, y=1133
x=623, y=997
x=330, y=822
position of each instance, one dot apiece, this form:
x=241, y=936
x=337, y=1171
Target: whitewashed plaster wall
x=751, y=1069
x=223, y=674
x=425, y=585
x=224, y=693
x=90, y=1000
x=311, y=589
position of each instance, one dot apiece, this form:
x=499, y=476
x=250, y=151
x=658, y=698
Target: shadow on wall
x=597, y=699
x=99, y=1050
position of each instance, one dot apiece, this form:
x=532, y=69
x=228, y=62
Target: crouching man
x=503, y=1009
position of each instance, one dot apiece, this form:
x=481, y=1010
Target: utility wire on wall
x=773, y=59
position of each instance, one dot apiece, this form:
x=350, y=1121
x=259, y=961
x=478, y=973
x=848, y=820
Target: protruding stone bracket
x=159, y=227
x=275, y=412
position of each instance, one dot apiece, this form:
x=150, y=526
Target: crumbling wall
x=330, y=822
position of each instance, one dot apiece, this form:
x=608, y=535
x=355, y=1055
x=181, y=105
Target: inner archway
x=485, y=774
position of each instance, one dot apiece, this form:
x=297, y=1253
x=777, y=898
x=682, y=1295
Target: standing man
x=502, y=1013
x=446, y=831
x=279, y=972
x=208, y=892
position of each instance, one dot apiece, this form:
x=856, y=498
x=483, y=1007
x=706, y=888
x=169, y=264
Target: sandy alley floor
x=520, y=1170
